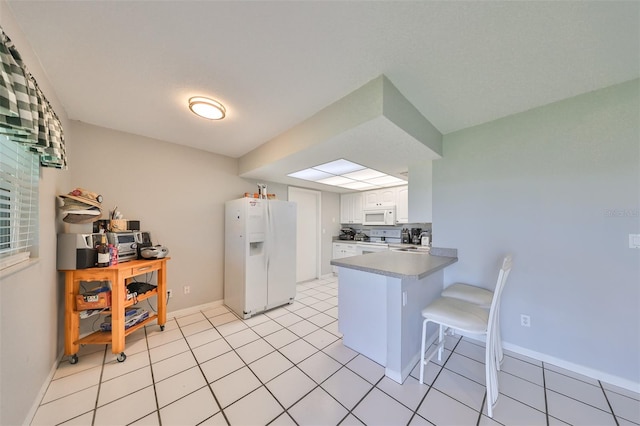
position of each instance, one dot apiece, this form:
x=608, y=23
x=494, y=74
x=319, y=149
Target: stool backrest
x=493, y=346
x=497, y=293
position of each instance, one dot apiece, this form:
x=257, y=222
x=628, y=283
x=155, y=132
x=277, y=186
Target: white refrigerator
x=260, y=255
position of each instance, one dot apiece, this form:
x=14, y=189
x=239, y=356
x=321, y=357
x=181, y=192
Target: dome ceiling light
x=207, y=108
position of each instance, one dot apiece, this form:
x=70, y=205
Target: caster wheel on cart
x=73, y=359
x=162, y=328
x=121, y=357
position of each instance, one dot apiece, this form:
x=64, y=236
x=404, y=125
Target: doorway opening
x=307, y=233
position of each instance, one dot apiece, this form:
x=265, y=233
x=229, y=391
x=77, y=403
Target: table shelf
x=104, y=337
x=118, y=275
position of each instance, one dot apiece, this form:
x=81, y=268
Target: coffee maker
x=347, y=234
x=415, y=235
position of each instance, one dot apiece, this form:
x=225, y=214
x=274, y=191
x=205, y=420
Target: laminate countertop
x=401, y=264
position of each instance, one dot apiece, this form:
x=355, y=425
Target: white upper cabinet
x=380, y=197
x=352, y=204
x=351, y=208
x=402, y=204
x=371, y=199
x=388, y=195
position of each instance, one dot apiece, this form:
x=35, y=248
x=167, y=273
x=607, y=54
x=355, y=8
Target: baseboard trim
x=415, y=360
x=43, y=389
x=576, y=368
x=194, y=309
x=568, y=365
x=328, y=276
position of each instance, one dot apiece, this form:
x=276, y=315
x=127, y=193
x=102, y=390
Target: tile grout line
x=263, y=384
x=543, y=387
x=95, y=408
x=250, y=369
x=546, y=402
x=448, y=364
x=215, y=398
x=415, y=412
x=295, y=365
x=350, y=412
x=579, y=400
x=182, y=371
x=342, y=365
x=42, y=404
x=153, y=380
x=615, y=418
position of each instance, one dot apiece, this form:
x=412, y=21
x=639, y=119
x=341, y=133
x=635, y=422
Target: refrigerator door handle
x=267, y=249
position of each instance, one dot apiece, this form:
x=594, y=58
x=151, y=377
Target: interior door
x=308, y=233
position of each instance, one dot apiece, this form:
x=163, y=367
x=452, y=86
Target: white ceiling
x=132, y=65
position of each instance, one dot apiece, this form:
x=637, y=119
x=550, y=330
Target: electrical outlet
x=187, y=289
x=169, y=293
x=525, y=320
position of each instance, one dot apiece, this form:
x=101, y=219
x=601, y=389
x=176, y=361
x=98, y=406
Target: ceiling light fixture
x=346, y=174
x=207, y=108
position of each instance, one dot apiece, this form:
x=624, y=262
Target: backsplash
x=392, y=234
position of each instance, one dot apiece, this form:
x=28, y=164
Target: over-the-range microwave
x=379, y=216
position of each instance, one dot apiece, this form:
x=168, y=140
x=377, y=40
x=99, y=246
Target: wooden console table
x=118, y=275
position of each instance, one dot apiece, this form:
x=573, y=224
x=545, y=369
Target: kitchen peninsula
x=380, y=299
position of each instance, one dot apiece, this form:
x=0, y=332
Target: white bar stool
x=478, y=296
x=467, y=317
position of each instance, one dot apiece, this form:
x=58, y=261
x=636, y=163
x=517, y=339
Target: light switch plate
x=634, y=241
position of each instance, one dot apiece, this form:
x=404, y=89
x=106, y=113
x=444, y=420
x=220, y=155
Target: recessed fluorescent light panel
x=349, y=175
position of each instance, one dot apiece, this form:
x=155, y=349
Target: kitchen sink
x=411, y=250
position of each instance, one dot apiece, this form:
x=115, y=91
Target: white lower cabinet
x=341, y=250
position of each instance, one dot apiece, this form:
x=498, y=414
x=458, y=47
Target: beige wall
x=30, y=299
x=177, y=193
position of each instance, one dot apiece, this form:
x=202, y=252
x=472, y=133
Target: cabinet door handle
x=144, y=268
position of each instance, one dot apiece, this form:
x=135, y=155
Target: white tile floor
x=289, y=366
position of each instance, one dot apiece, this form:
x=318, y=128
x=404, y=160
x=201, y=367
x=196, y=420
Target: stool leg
x=489, y=359
x=440, y=342
x=491, y=370
x=422, y=350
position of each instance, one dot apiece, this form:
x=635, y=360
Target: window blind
x=19, y=175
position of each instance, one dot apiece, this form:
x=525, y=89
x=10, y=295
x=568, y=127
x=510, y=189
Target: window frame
x=19, y=203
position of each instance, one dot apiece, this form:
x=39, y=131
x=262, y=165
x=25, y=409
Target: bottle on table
x=103, y=253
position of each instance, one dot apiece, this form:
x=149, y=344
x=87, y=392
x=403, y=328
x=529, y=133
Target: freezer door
x=245, y=284
x=234, y=258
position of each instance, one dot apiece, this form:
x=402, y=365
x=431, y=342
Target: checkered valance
x=25, y=114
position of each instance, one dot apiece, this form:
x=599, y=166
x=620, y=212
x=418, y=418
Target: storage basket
x=93, y=301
